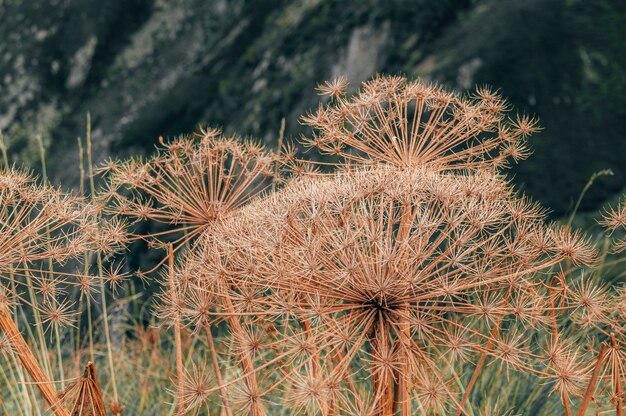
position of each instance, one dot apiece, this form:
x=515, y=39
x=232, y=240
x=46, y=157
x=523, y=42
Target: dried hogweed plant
x=362, y=292
x=42, y=229
x=381, y=279
x=86, y=394
x=614, y=221
x=401, y=123
x=192, y=184
x=601, y=311
x=394, y=284
x=588, y=329
x=412, y=123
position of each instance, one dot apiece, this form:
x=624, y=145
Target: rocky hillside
x=145, y=68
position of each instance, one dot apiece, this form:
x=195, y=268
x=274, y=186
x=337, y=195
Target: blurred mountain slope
x=145, y=68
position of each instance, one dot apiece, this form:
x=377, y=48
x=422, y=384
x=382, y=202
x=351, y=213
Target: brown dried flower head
x=42, y=226
x=382, y=272
x=614, y=221
x=190, y=184
x=409, y=123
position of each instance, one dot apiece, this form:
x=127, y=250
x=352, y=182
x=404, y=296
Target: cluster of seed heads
x=188, y=185
x=45, y=234
x=363, y=288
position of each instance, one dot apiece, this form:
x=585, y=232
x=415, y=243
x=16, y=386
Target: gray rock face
x=146, y=68
x=364, y=53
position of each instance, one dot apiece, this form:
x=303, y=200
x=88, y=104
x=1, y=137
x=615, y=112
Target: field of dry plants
x=407, y=277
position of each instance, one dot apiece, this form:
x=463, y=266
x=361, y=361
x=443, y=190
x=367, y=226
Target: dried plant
x=614, y=221
x=412, y=123
x=410, y=279
x=86, y=394
x=42, y=229
x=189, y=184
x=382, y=275
x=365, y=291
x=39, y=223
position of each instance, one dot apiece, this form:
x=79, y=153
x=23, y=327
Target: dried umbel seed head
x=42, y=226
x=335, y=88
x=410, y=123
x=614, y=221
x=382, y=271
x=197, y=385
x=41, y=230
x=191, y=183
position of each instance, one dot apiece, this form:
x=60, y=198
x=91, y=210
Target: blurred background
x=145, y=68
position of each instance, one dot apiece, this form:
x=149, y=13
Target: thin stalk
x=592, y=383
x=41, y=338
x=402, y=394
x=30, y=363
x=155, y=359
x=177, y=334
x=281, y=135
x=3, y=149
x=42, y=158
x=402, y=397
x=604, y=172
x=216, y=367
x=553, y=320
x=86, y=261
x=382, y=382
x=57, y=336
x=82, y=192
x=90, y=330
x=107, y=333
x=566, y=404
x=105, y=315
x=59, y=351
x=246, y=362
x=12, y=380
x=617, y=379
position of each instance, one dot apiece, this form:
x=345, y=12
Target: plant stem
x=617, y=378
x=566, y=404
x=402, y=394
x=604, y=172
x=12, y=380
x=216, y=367
x=382, y=381
x=39, y=330
x=30, y=364
x=178, y=345
x=3, y=149
x=57, y=335
x=247, y=365
x=592, y=383
x=105, y=315
x=281, y=135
